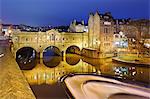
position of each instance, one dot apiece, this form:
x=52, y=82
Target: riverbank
x=133, y=59
x=13, y=83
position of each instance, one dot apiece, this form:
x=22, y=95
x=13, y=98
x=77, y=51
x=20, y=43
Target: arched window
x=116, y=36
x=53, y=37
x=106, y=30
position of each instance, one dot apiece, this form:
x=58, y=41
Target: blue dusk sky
x=62, y=12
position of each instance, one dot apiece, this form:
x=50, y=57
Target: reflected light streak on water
x=76, y=64
x=45, y=75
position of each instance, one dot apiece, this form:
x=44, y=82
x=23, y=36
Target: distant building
x=137, y=32
x=7, y=29
x=62, y=28
x=76, y=26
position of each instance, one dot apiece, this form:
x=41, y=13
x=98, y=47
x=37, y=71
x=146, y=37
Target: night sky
x=62, y=12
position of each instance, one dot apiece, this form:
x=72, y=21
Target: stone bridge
x=39, y=41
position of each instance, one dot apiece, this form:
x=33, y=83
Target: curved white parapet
x=97, y=87
x=1, y=55
x=107, y=90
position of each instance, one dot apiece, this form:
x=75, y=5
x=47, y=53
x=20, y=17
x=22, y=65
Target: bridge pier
x=41, y=61
x=41, y=55
x=63, y=55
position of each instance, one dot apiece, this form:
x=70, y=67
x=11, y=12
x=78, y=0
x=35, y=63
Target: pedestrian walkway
x=13, y=84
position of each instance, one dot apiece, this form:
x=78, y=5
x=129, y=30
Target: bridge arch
x=73, y=49
x=73, y=60
x=26, y=58
x=15, y=50
x=52, y=48
x=51, y=56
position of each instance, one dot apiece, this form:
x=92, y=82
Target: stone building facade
x=101, y=30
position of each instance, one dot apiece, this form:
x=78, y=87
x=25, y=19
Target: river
x=45, y=73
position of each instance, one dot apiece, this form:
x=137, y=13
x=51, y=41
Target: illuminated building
x=101, y=30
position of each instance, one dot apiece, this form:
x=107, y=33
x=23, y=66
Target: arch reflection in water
x=72, y=59
x=52, y=61
x=51, y=56
x=26, y=58
x=42, y=74
x=45, y=75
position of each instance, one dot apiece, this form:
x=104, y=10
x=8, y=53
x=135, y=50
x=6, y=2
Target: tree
x=142, y=27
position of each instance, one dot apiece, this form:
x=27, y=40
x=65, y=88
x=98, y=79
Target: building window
x=105, y=38
x=53, y=37
x=106, y=30
x=106, y=44
x=50, y=38
x=16, y=39
x=116, y=36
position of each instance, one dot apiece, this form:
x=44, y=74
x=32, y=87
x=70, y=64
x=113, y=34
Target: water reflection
x=92, y=61
x=124, y=71
x=72, y=59
x=42, y=74
x=52, y=61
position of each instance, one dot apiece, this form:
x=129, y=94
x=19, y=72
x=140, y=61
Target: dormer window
x=106, y=17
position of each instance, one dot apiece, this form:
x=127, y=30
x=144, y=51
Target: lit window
x=106, y=30
x=116, y=36
x=53, y=37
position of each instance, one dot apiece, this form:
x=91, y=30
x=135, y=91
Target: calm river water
x=43, y=74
